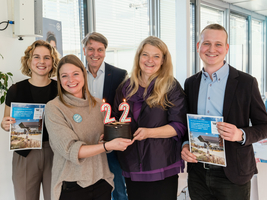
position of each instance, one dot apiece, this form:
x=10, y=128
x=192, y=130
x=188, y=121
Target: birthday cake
x=117, y=130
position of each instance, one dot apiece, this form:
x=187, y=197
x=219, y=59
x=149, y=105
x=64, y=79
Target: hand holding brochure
x=204, y=139
x=27, y=132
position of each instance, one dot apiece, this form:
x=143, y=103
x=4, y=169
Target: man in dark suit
x=221, y=90
x=103, y=80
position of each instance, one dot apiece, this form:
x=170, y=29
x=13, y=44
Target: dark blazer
x=242, y=104
x=113, y=77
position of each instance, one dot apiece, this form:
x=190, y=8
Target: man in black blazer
x=221, y=90
x=103, y=80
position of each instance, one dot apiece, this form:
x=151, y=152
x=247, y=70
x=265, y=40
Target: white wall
x=12, y=49
x=262, y=180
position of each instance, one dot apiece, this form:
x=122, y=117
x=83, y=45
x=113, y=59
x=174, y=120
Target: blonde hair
x=72, y=59
x=27, y=58
x=214, y=27
x=164, y=76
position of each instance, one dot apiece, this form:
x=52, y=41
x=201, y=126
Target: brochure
x=204, y=139
x=260, y=149
x=27, y=132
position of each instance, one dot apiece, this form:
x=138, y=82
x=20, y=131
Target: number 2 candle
x=106, y=107
x=124, y=106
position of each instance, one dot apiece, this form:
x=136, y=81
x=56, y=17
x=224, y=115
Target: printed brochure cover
x=27, y=132
x=260, y=149
x=204, y=139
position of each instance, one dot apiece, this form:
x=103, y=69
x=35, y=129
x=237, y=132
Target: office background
x=126, y=23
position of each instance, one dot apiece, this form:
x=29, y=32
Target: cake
x=117, y=130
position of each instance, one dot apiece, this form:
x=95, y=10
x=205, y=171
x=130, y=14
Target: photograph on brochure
x=27, y=131
x=204, y=139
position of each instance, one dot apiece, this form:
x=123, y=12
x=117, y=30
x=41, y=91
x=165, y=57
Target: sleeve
x=62, y=138
x=258, y=117
x=186, y=138
x=11, y=95
x=179, y=128
x=177, y=112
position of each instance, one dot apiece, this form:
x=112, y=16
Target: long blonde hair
x=164, y=76
x=72, y=59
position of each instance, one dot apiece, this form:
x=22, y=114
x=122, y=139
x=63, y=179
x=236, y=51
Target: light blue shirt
x=96, y=85
x=211, y=92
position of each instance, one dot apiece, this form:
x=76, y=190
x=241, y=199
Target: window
x=238, y=41
x=257, y=52
x=168, y=28
x=192, y=41
x=210, y=16
x=125, y=24
x=67, y=12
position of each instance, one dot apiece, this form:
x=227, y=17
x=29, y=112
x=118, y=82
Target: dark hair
x=50, y=36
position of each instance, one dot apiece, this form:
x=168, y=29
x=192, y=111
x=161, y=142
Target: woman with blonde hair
x=158, y=112
x=75, y=125
x=30, y=168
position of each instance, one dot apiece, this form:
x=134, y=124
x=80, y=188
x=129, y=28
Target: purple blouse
x=162, y=173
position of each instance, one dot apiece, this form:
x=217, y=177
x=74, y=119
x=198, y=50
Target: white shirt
x=96, y=85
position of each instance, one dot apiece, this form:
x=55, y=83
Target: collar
x=101, y=68
x=75, y=101
x=139, y=95
x=219, y=74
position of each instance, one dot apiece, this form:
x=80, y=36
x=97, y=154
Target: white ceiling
x=258, y=6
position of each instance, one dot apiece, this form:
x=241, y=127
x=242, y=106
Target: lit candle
x=106, y=107
x=125, y=108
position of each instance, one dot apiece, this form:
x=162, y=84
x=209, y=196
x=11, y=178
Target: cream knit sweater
x=66, y=137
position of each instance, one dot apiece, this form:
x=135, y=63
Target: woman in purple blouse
x=158, y=111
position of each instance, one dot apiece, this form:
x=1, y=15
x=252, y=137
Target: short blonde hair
x=72, y=59
x=96, y=37
x=27, y=58
x=164, y=76
x=214, y=27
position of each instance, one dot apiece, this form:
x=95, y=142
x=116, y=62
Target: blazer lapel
x=196, y=84
x=230, y=91
x=107, y=81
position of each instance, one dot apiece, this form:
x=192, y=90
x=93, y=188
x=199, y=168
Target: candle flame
x=124, y=100
x=103, y=100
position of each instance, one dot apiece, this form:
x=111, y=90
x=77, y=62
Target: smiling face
x=95, y=53
x=41, y=63
x=71, y=79
x=53, y=44
x=150, y=60
x=213, y=48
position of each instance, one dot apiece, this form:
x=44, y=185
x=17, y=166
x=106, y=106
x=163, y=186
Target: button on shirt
x=96, y=84
x=211, y=92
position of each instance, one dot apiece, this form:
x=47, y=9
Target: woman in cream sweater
x=75, y=125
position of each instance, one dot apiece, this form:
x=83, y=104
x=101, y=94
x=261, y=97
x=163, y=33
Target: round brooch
x=77, y=118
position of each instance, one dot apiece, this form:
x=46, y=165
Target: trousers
x=29, y=173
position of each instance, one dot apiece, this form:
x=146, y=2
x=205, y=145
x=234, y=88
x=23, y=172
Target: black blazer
x=113, y=77
x=242, y=104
